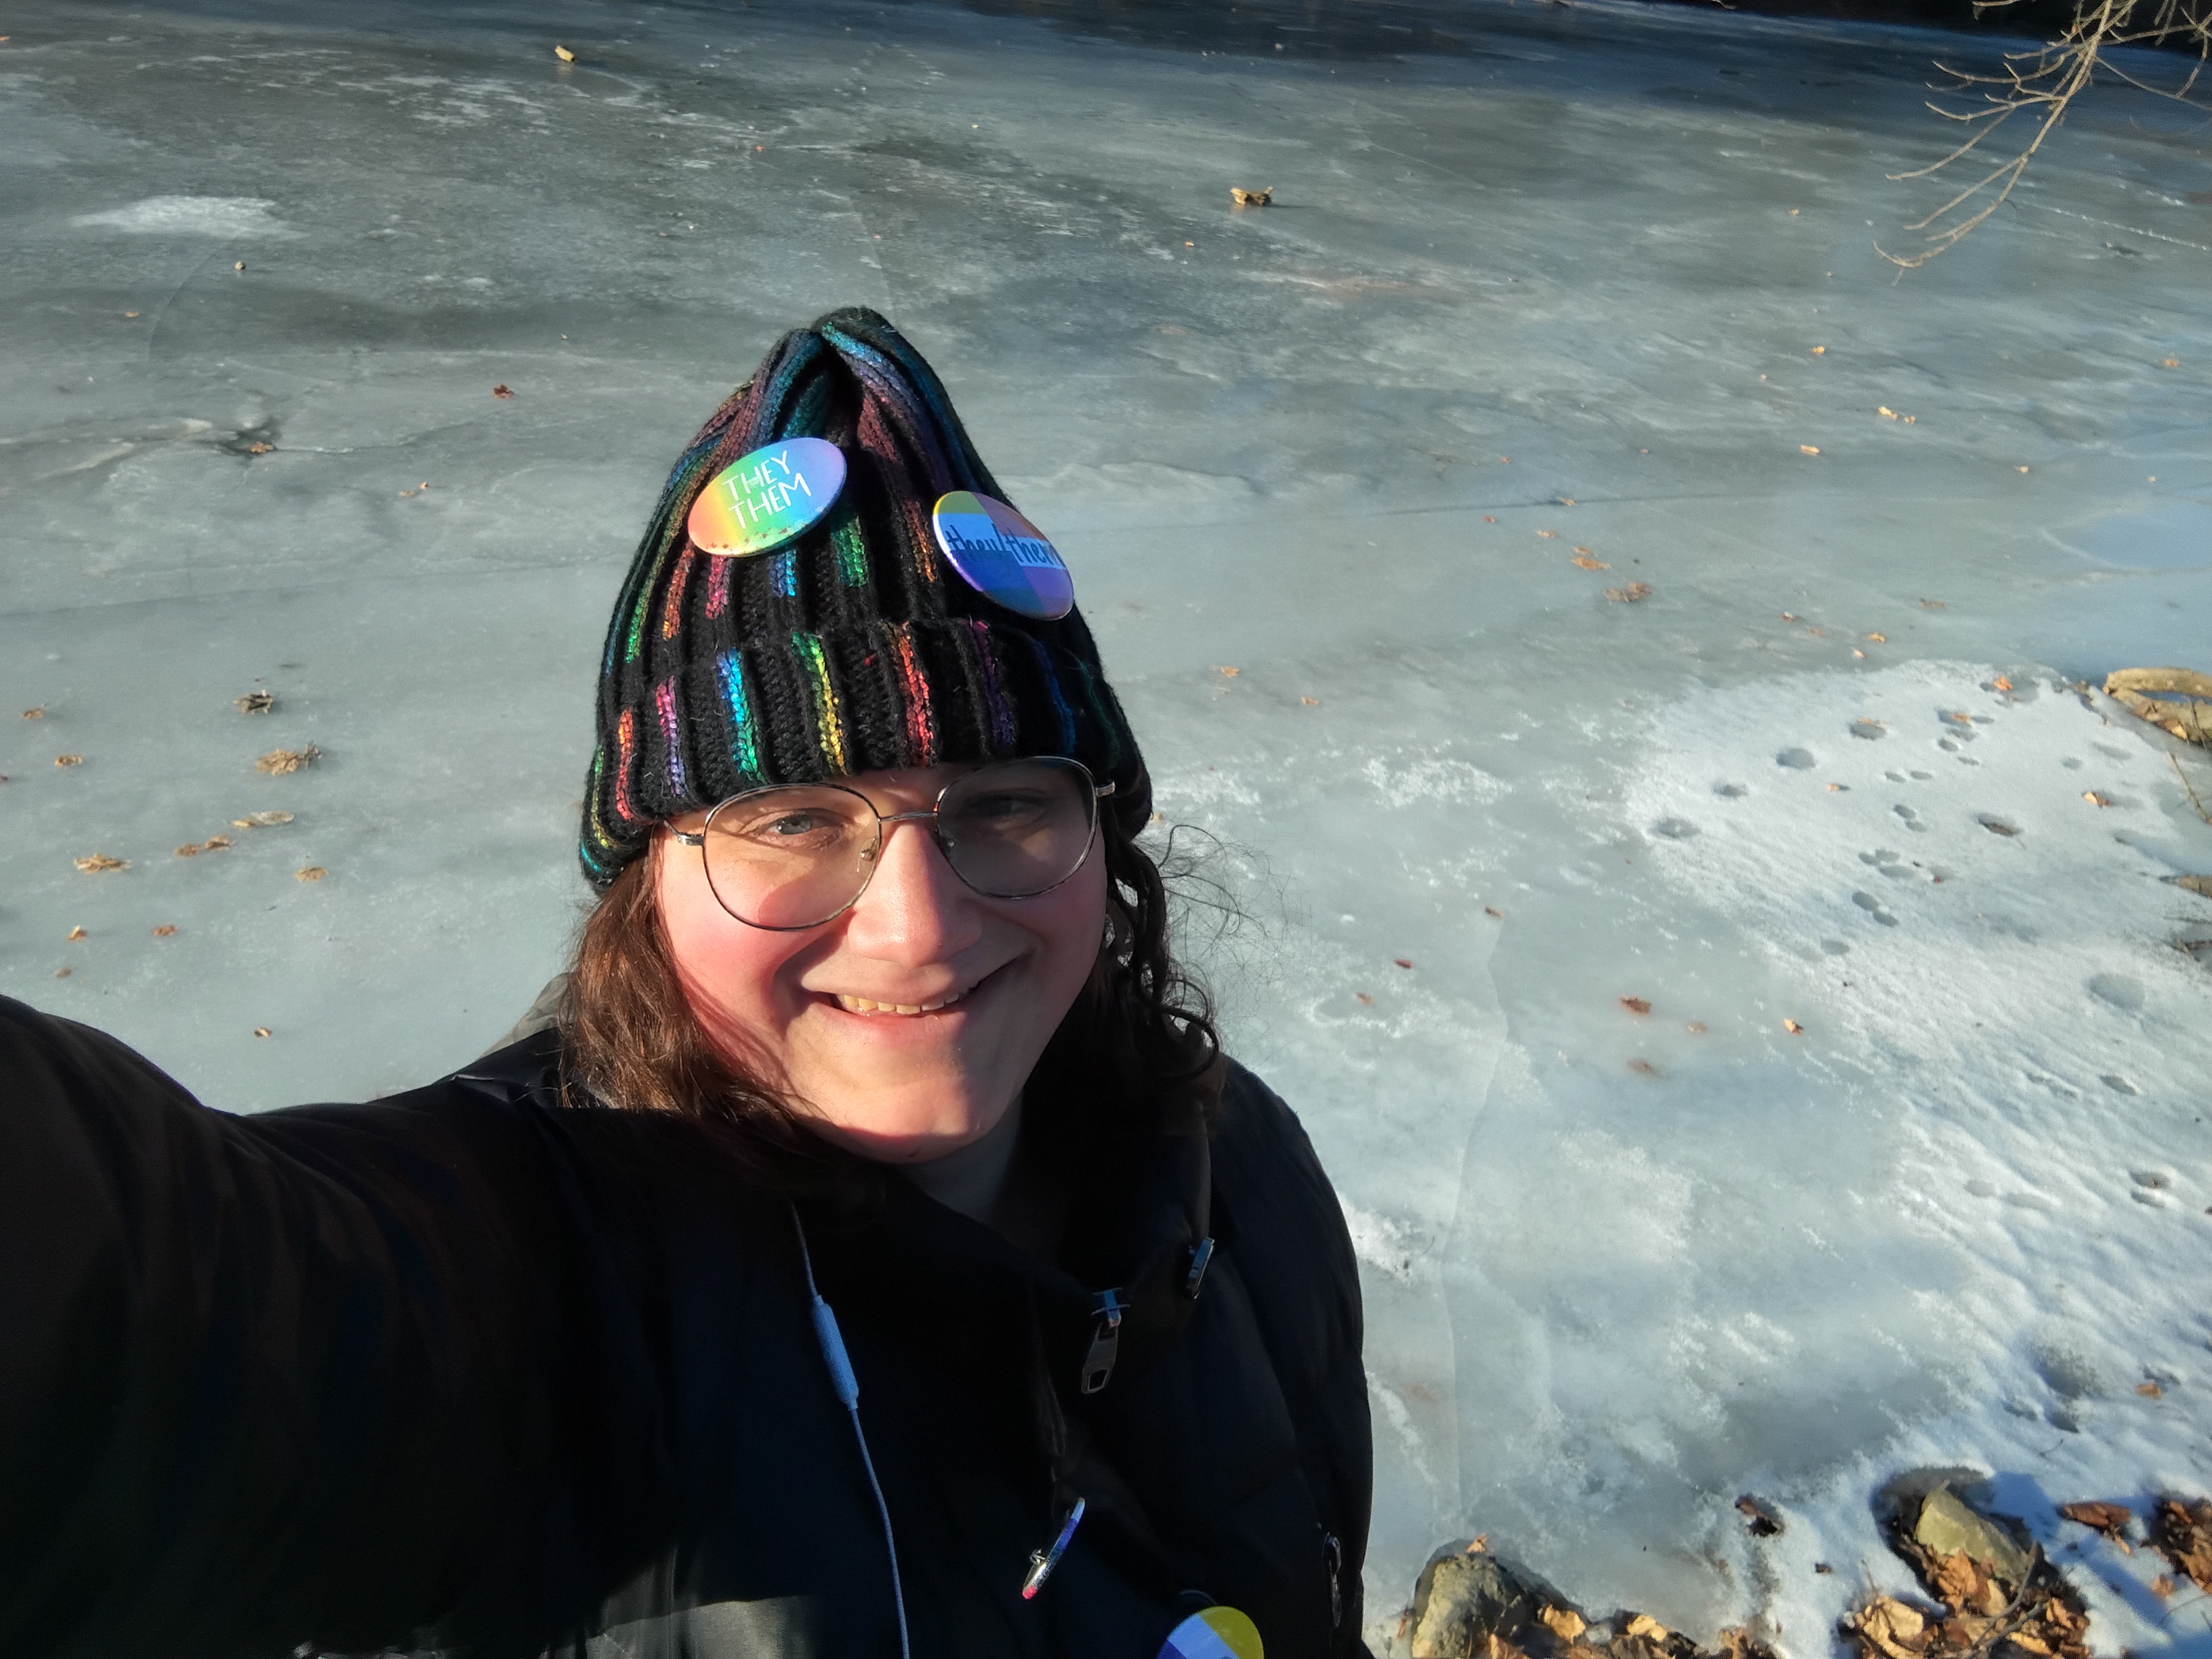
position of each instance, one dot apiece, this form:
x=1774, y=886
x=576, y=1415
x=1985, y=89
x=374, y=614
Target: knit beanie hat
x=854, y=647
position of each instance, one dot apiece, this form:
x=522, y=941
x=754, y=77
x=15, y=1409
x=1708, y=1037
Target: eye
x=1002, y=808
x=786, y=827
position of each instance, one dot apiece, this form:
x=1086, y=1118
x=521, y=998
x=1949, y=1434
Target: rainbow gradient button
x=1216, y=1633
x=1002, y=555
x=767, y=498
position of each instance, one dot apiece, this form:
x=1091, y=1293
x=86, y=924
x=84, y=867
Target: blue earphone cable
x=849, y=1392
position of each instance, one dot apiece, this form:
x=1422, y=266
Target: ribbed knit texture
x=852, y=649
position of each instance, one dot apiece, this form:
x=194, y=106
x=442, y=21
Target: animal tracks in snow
x=2016, y=889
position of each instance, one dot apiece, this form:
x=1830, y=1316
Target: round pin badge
x=767, y=498
x=1002, y=555
x=1216, y=1633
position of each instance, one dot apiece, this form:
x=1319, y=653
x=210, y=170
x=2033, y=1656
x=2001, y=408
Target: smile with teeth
x=864, y=1005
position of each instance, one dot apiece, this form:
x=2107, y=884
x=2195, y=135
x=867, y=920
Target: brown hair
x=1139, y=1038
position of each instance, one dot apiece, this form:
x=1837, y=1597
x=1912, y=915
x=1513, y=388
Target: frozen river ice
x=1621, y=1266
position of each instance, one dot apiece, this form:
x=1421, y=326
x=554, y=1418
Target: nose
x=915, y=913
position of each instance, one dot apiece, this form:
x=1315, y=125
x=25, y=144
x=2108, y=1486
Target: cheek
x=729, y=971
x=1071, y=930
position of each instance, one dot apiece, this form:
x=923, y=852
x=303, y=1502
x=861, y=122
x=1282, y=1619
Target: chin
x=919, y=1114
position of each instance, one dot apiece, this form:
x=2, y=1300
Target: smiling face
x=905, y=1027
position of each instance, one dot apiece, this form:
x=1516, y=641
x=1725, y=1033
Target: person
x=874, y=1254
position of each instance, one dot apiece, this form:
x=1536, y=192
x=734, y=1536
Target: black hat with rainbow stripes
x=854, y=647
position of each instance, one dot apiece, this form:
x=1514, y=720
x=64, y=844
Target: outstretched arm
x=308, y=1377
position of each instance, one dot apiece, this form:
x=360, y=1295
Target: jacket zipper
x=1105, y=1342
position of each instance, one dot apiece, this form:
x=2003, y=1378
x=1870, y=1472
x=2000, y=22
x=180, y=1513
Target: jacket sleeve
x=1286, y=1213
x=304, y=1378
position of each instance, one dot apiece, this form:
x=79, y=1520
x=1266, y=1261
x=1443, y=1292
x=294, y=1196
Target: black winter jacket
x=470, y=1369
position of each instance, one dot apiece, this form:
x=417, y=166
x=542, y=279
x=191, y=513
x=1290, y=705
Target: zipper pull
x=1202, y=1254
x=1105, y=1342
x=1042, y=1562
x=1332, y=1554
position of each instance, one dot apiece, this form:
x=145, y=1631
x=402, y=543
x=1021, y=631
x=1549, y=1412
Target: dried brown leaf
x=1583, y=561
x=69, y=760
x=2110, y=1519
x=502, y=390
x=1363, y=999
x=261, y=1030
x=279, y=761
x=75, y=934
x=2183, y=1533
x=1793, y=1027
x=254, y=702
x=1892, y=1627
x=94, y=862
x=260, y=820
x=1630, y=594
x=1636, y=1005
x=1642, y=1068
x=312, y=873
x=2149, y=1390
x=1562, y=1622
x=166, y=930
x=1251, y=198
x=1403, y=962
x=1738, y=1642
x=1645, y=1625
x=34, y=714
x=564, y=54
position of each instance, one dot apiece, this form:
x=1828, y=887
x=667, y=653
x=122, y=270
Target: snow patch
x=221, y=216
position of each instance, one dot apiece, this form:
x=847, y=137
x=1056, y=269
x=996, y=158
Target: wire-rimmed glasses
x=797, y=855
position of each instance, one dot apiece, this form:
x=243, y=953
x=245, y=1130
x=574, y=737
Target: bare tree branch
x=2044, y=81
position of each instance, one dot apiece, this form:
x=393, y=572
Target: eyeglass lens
x=796, y=856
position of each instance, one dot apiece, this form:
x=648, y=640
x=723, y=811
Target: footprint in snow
x=2118, y=990
x=1872, y=906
